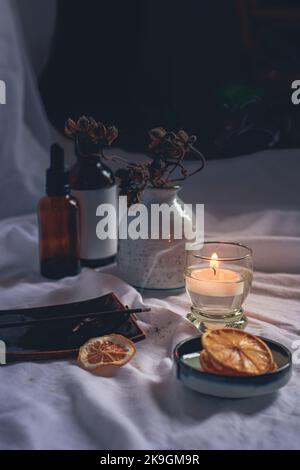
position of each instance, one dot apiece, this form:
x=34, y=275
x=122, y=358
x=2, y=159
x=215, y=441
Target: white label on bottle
x=91, y=247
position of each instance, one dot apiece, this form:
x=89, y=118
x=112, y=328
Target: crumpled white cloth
x=273, y=235
x=57, y=405
x=25, y=134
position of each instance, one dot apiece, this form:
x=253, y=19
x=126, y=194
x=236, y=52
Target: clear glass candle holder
x=218, y=278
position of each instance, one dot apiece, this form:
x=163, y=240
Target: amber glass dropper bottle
x=58, y=216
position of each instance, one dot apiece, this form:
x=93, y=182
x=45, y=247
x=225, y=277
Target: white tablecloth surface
x=60, y=406
x=57, y=405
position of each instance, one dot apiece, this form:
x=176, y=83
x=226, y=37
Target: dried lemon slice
x=237, y=352
x=103, y=354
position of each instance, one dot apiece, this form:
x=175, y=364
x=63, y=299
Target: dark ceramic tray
x=52, y=341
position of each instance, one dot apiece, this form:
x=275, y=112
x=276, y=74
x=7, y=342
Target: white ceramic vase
x=157, y=263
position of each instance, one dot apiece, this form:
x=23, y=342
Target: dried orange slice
x=104, y=354
x=208, y=365
x=237, y=352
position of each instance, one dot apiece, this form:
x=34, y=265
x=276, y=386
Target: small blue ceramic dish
x=189, y=372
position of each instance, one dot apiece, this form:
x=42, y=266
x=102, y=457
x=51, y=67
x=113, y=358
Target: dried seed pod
x=182, y=136
x=70, y=128
x=83, y=124
x=111, y=134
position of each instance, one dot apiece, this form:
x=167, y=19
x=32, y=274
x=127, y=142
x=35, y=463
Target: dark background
x=221, y=69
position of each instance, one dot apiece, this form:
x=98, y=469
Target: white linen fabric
x=38, y=24
x=25, y=133
x=57, y=405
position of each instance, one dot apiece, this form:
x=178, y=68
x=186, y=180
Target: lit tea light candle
x=215, y=281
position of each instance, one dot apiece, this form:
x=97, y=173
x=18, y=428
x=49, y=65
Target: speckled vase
x=156, y=263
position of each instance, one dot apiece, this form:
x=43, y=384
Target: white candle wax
x=215, y=282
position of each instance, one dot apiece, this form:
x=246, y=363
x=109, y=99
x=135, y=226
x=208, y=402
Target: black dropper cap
x=57, y=178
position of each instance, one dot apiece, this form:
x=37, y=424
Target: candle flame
x=214, y=262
